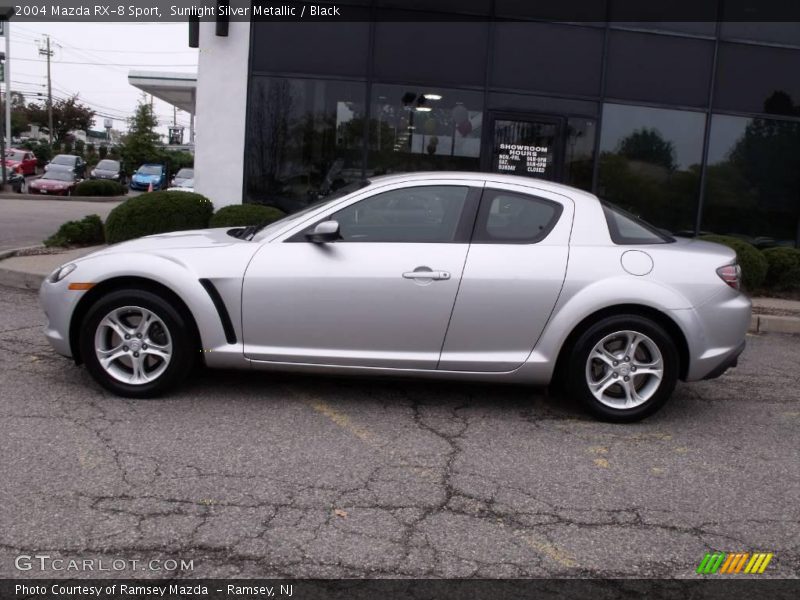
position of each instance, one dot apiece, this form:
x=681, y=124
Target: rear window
x=627, y=229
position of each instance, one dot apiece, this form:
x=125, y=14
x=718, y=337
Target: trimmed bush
x=158, y=212
x=783, y=271
x=99, y=187
x=86, y=232
x=241, y=215
x=752, y=261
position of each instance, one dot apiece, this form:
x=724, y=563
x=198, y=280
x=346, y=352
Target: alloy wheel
x=624, y=369
x=133, y=345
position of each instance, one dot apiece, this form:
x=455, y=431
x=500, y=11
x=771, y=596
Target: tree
x=68, y=115
x=648, y=145
x=140, y=145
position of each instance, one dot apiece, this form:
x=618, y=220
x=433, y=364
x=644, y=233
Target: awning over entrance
x=178, y=89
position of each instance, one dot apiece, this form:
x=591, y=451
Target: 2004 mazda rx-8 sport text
x=452, y=275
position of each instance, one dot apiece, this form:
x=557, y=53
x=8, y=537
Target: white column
x=221, y=107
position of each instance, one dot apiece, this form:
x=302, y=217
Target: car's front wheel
x=136, y=344
x=623, y=368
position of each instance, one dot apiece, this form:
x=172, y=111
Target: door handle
x=428, y=274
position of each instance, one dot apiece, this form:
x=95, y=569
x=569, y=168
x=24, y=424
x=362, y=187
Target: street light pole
x=49, y=53
x=7, y=73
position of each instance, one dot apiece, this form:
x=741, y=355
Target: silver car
x=444, y=275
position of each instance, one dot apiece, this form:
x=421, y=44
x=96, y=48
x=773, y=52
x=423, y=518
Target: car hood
x=165, y=243
x=104, y=173
x=49, y=183
x=146, y=177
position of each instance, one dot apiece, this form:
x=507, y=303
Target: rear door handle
x=427, y=274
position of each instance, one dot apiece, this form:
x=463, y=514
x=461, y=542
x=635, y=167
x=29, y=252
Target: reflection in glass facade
x=693, y=126
x=650, y=163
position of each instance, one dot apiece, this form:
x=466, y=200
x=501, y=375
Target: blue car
x=149, y=174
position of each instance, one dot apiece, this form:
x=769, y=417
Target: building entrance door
x=525, y=144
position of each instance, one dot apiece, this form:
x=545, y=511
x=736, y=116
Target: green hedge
x=99, y=187
x=752, y=261
x=241, y=215
x=86, y=232
x=783, y=271
x=158, y=212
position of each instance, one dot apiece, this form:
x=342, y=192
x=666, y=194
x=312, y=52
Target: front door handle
x=426, y=273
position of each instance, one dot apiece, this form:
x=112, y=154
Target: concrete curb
x=21, y=280
x=9, y=196
x=14, y=251
x=774, y=324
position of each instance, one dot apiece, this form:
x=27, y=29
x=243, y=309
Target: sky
x=107, y=52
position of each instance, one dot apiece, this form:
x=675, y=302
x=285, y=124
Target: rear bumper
x=715, y=333
x=728, y=363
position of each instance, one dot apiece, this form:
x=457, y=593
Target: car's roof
x=542, y=184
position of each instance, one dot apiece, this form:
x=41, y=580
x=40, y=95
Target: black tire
x=578, y=386
x=184, y=346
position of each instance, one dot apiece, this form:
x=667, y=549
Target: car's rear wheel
x=623, y=368
x=136, y=344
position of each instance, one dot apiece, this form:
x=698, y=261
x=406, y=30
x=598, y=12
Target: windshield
x=13, y=155
x=338, y=194
x=63, y=159
x=108, y=165
x=150, y=170
x=185, y=174
x=59, y=175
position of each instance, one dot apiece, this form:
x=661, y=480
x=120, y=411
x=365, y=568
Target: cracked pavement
x=263, y=475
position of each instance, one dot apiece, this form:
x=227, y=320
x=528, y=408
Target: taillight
x=731, y=274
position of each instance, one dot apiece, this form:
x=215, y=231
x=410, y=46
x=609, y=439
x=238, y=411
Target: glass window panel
x=339, y=49
x=758, y=79
x=425, y=214
x=515, y=218
x=431, y=52
x=658, y=68
x=780, y=33
x=579, y=152
x=541, y=104
x=304, y=139
x=424, y=128
x=650, y=163
x=753, y=189
x=524, y=58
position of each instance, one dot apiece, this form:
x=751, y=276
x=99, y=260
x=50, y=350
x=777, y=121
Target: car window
x=185, y=173
x=424, y=214
x=512, y=218
x=63, y=160
x=108, y=165
x=626, y=229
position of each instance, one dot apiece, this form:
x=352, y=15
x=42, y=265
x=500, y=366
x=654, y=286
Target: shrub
x=158, y=212
x=783, y=271
x=99, y=187
x=245, y=214
x=86, y=232
x=752, y=261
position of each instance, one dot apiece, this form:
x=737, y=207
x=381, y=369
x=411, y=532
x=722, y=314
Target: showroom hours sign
x=521, y=159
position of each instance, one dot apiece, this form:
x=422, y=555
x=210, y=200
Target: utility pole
x=7, y=75
x=48, y=53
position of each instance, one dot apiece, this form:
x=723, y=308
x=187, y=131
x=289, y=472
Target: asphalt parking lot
x=257, y=475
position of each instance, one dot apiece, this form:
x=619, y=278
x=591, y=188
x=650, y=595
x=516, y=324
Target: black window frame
x=481, y=235
x=462, y=235
x=620, y=240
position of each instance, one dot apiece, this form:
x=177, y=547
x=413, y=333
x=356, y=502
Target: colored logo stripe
x=734, y=562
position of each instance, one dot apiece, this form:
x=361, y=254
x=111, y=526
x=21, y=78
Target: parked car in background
x=500, y=278
x=71, y=162
x=187, y=185
x=148, y=174
x=182, y=175
x=21, y=161
x=108, y=169
x=59, y=182
x=17, y=182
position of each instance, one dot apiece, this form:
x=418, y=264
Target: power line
x=101, y=64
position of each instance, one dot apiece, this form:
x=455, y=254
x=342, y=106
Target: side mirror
x=326, y=231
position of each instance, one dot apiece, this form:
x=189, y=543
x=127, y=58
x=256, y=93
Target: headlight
x=94, y=173
x=61, y=272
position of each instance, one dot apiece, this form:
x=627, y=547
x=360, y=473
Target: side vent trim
x=224, y=317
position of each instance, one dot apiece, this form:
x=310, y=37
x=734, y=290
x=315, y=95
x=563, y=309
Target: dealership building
x=695, y=126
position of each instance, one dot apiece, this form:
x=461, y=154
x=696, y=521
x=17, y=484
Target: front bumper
x=58, y=306
x=144, y=186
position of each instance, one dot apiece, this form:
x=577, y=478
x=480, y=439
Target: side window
x=512, y=218
x=424, y=214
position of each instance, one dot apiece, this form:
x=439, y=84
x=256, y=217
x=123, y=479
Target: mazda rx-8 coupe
x=469, y=276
